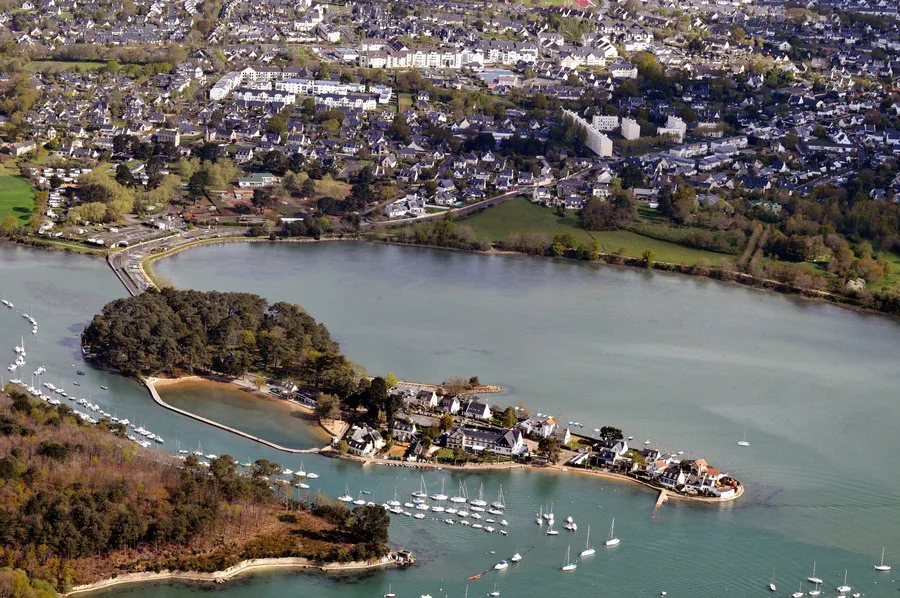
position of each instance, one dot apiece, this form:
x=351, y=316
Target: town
x=745, y=140
x=450, y=426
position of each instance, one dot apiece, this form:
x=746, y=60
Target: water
x=689, y=363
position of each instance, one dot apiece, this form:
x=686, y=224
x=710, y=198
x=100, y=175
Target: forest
x=182, y=331
x=79, y=503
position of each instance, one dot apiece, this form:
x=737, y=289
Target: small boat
x=80, y=373
x=744, y=441
x=502, y=565
x=312, y=476
x=474, y=577
x=882, y=566
x=496, y=592
x=76, y=383
x=419, y=516
x=104, y=388
x=812, y=578
x=772, y=587
x=390, y=594
x=499, y=504
x=588, y=550
x=479, y=502
x=551, y=531
x=422, y=492
x=440, y=496
x=567, y=564
x=815, y=592
x=303, y=486
x=844, y=588
x=345, y=497
x=516, y=558
x=463, y=495
x=359, y=501
x=612, y=540
x=799, y=593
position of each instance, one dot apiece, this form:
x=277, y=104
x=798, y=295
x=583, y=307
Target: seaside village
x=440, y=427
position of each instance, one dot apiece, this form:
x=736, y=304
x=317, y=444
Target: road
x=125, y=264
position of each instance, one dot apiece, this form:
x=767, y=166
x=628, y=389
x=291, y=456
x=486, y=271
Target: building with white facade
x=630, y=129
x=602, y=122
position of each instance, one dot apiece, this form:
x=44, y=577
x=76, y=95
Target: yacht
x=744, y=441
x=479, y=502
x=463, y=495
x=799, y=593
x=301, y=472
x=422, y=492
x=588, y=549
x=882, y=566
x=419, y=516
x=844, y=588
x=312, y=476
x=395, y=502
x=516, y=558
x=812, y=578
x=815, y=592
x=390, y=594
x=499, y=504
x=501, y=565
x=345, y=497
x=612, y=540
x=440, y=496
x=551, y=531
x=567, y=564
x=360, y=501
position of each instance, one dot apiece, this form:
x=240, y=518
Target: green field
x=40, y=66
x=16, y=198
x=521, y=216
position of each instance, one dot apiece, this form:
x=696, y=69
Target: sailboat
x=844, y=588
x=422, y=492
x=772, y=587
x=815, y=592
x=799, y=593
x=395, y=502
x=744, y=441
x=551, y=531
x=540, y=516
x=463, y=495
x=882, y=566
x=390, y=594
x=812, y=578
x=441, y=496
x=479, y=502
x=345, y=497
x=588, y=550
x=496, y=592
x=499, y=503
x=612, y=540
x=567, y=564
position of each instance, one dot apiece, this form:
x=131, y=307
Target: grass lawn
x=40, y=66
x=16, y=198
x=328, y=187
x=891, y=280
x=519, y=215
x=404, y=101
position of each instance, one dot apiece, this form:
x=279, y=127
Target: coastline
x=741, y=279
x=220, y=577
x=558, y=469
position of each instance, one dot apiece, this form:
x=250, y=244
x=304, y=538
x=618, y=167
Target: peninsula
x=282, y=348
x=104, y=511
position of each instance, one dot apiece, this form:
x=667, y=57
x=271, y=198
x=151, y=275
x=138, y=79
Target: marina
x=774, y=522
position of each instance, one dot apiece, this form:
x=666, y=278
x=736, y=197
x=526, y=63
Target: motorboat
x=516, y=558
x=501, y=565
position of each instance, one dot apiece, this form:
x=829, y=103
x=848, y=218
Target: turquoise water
x=691, y=364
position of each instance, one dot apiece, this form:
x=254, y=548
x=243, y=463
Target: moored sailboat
x=568, y=565
x=612, y=540
x=588, y=549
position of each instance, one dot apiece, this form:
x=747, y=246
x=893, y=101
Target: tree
x=263, y=197
x=508, y=418
x=124, y=176
x=328, y=407
x=549, y=449
x=400, y=129
x=647, y=258
x=631, y=176
x=308, y=188
x=369, y=525
x=9, y=225
x=391, y=380
x=611, y=433
x=446, y=422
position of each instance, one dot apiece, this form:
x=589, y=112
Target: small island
x=83, y=508
x=280, y=347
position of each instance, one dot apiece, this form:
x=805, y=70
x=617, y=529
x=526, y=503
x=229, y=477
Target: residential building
x=486, y=440
x=631, y=130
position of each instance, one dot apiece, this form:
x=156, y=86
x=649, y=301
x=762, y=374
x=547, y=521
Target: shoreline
x=740, y=279
x=220, y=577
x=150, y=383
x=557, y=469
